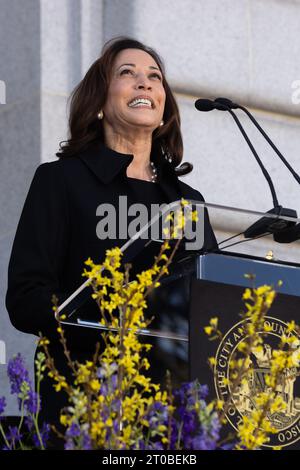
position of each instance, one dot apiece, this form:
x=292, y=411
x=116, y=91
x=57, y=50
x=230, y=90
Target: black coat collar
x=107, y=164
x=104, y=162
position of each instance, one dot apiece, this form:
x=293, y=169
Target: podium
x=215, y=293
x=203, y=285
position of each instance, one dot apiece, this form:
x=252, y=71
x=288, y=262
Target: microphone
x=265, y=224
x=209, y=105
x=230, y=104
x=203, y=104
x=291, y=233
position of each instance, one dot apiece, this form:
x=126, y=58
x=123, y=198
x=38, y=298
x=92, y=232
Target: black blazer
x=56, y=232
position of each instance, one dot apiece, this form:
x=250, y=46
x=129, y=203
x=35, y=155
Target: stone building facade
x=247, y=50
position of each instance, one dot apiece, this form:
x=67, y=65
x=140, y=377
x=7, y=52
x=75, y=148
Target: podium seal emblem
x=242, y=402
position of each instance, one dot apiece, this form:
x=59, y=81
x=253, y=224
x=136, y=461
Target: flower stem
x=36, y=415
x=4, y=436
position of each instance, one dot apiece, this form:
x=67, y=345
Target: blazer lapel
x=107, y=164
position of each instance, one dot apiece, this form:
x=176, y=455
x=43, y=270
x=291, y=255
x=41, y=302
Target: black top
x=152, y=197
x=57, y=229
x=57, y=233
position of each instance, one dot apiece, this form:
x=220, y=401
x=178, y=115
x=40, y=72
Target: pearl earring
x=162, y=123
x=100, y=115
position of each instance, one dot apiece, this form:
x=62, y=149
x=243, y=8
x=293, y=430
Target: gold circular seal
x=242, y=402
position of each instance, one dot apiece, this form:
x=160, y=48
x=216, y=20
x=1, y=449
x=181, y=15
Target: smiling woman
x=124, y=140
x=134, y=108
x=126, y=71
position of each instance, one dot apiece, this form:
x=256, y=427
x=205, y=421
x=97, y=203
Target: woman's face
x=136, y=96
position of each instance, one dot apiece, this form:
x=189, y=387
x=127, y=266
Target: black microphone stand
x=265, y=224
x=232, y=105
x=290, y=233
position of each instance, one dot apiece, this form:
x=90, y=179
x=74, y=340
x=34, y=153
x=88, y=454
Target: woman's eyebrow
x=133, y=65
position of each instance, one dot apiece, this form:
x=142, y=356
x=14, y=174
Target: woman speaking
x=124, y=140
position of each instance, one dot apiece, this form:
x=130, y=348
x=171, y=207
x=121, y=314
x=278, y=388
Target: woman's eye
x=126, y=71
x=156, y=75
x=131, y=72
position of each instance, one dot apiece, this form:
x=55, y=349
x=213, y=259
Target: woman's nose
x=143, y=82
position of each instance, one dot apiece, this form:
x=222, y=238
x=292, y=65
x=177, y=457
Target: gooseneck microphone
x=265, y=224
x=291, y=233
x=209, y=105
x=230, y=104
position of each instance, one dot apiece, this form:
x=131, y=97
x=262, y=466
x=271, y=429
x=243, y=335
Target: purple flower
x=158, y=446
x=116, y=405
x=157, y=415
x=2, y=405
x=69, y=445
x=32, y=402
x=190, y=422
x=201, y=443
x=44, y=433
x=28, y=421
x=109, y=385
x=13, y=434
x=116, y=426
x=193, y=427
x=105, y=413
x=87, y=443
x=141, y=445
x=17, y=373
x=191, y=392
x=208, y=438
x=205, y=437
x=73, y=431
x=215, y=428
x=229, y=446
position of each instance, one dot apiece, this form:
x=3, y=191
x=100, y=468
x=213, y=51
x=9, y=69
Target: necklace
x=154, y=172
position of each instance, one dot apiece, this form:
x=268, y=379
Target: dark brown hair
x=89, y=97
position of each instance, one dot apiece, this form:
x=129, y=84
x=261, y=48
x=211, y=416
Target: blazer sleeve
x=39, y=249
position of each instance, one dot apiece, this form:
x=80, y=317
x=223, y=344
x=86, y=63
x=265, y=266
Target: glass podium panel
x=170, y=303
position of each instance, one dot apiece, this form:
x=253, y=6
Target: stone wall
x=247, y=50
